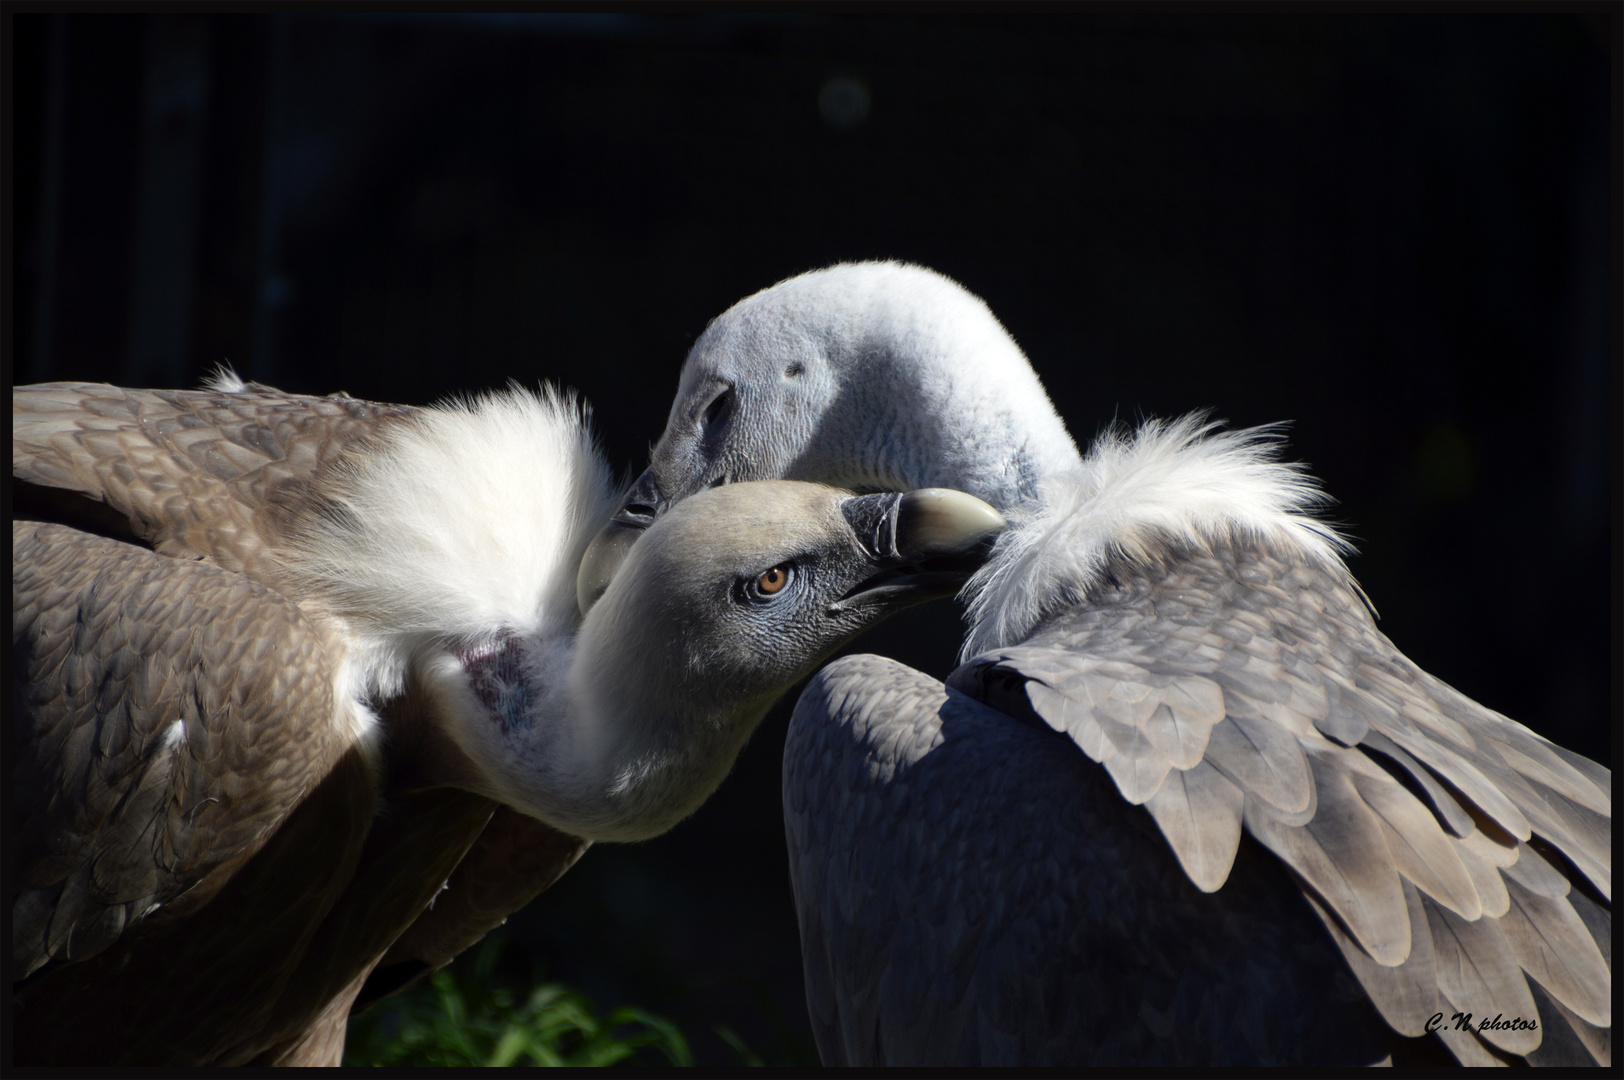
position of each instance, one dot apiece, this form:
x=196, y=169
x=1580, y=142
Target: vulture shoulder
x=210, y=474
x=1241, y=694
x=944, y=853
x=195, y=783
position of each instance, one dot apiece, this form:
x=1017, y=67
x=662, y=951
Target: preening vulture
x=284, y=667
x=1182, y=803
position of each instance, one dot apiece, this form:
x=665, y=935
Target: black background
x=1392, y=230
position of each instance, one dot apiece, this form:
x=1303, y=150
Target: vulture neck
x=929, y=390
x=570, y=733
x=444, y=554
x=994, y=435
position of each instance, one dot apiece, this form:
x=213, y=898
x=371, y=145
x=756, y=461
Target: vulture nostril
x=638, y=514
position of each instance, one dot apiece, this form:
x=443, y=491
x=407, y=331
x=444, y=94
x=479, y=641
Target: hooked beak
x=926, y=544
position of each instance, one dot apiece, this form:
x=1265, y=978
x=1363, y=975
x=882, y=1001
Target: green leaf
x=465, y=1015
x=513, y=1043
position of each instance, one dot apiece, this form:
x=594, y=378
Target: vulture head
x=715, y=612
x=870, y=376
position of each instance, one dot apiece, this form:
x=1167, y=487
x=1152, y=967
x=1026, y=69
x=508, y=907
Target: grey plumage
x=1010, y=918
x=1334, y=845
x=1387, y=875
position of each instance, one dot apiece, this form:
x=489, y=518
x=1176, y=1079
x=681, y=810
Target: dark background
x=1393, y=230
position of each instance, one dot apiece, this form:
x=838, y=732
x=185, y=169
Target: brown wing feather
x=1373, y=780
x=167, y=716
x=514, y=860
x=115, y=643
x=202, y=988
x=174, y=711
x=198, y=473
x=415, y=845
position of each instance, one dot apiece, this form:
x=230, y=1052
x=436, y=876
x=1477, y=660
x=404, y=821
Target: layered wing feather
x=167, y=715
x=184, y=732
x=176, y=714
x=1415, y=817
x=972, y=890
x=513, y=861
x=197, y=473
x=170, y=711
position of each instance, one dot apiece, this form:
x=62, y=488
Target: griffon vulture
x=285, y=667
x=1182, y=803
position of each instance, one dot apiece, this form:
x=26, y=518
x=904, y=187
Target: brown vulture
x=302, y=693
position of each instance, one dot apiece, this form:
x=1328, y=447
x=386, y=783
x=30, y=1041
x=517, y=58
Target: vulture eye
x=770, y=584
x=716, y=413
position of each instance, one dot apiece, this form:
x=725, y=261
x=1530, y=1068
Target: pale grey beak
x=923, y=524
x=603, y=557
x=925, y=544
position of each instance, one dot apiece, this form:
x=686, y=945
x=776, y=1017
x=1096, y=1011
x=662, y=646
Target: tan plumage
x=513, y=860
x=189, y=696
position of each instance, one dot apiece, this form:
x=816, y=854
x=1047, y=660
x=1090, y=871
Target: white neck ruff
x=1170, y=482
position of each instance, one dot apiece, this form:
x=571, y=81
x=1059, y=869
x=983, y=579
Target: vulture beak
x=638, y=510
x=926, y=544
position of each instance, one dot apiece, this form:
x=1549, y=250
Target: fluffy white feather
x=223, y=380
x=472, y=516
x=353, y=684
x=1179, y=481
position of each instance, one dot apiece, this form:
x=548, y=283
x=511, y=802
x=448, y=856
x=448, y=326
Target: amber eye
x=768, y=587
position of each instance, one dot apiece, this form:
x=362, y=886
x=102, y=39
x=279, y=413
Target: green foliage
x=475, y=1020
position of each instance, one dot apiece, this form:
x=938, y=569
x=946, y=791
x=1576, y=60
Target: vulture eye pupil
x=773, y=581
